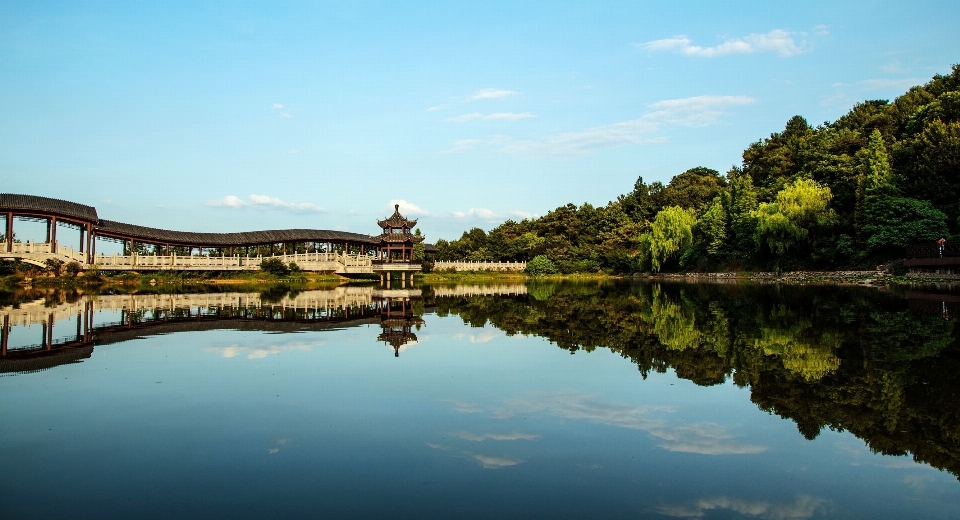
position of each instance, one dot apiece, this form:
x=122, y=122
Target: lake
x=546, y=400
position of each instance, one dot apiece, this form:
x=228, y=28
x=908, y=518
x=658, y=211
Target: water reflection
x=881, y=365
x=70, y=327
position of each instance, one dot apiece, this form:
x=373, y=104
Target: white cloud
x=523, y=214
x=259, y=352
x=496, y=462
x=285, y=114
x=821, y=30
x=463, y=406
x=882, y=84
x=481, y=213
x=408, y=208
x=498, y=116
x=894, y=67
x=439, y=107
x=508, y=116
x=277, y=106
x=479, y=437
x=802, y=507
x=492, y=93
x=776, y=41
x=700, y=438
x=484, y=337
x=263, y=202
x=694, y=111
x=463, y=145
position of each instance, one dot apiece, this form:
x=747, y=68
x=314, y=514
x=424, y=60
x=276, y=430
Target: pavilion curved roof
x=397, y=220
x=164, y=236
x=47, y=205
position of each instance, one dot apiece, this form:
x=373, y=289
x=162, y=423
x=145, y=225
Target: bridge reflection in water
x=69, y=331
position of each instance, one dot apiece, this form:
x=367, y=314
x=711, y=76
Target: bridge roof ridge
x=242, y=238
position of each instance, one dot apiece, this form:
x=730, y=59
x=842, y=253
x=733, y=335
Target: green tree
x=672, y=230
x=800, y=209
x=540, y=266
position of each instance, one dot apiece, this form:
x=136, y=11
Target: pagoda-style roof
x=400, y=238
x=397, y=220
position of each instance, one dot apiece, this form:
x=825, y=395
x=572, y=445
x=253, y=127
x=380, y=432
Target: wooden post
x=53, y=236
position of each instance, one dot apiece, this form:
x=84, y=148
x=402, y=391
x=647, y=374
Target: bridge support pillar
x=10, y=232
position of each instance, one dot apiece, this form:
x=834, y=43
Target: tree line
x=852, y=193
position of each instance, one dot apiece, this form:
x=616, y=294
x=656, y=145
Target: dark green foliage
x=895, y=222
x=889, y=173
x=274, y=266
x=897, y=268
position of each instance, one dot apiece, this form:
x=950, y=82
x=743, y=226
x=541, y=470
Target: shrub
x=54, y=265
x=897, y=268
x=294, y=268
x=274, y=266
x=540, y=266
x=73, y=268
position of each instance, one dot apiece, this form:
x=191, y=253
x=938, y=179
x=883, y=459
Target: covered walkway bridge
x=146, y=248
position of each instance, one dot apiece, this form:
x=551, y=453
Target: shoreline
x=862, y=278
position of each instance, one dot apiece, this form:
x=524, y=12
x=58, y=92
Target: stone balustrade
x=480, y=266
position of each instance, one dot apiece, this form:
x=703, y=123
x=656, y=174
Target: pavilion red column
x=53, y=231
x=9, y=232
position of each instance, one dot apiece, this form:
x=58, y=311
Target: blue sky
x=234, y=116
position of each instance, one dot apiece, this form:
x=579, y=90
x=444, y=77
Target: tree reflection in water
x=854, y=359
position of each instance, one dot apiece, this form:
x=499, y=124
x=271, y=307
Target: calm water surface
x=541, y=401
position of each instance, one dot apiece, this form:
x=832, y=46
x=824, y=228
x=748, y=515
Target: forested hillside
x=848, y=194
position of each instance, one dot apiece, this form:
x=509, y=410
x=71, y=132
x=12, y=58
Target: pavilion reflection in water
x=70, y=330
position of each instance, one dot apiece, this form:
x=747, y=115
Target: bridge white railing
x=35, y=249
x=480, y=266
x=337, y=261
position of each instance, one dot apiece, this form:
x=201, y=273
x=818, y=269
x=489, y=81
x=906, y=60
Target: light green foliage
x=419, y=251
x=671, y=231
x=540, y=266
x=799, y=208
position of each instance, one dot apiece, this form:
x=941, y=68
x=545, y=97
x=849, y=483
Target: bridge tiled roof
x=164, y=236
x=47, y=205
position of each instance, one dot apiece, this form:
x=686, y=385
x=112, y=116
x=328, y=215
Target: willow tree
x=800, y=209
x=671, y=232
